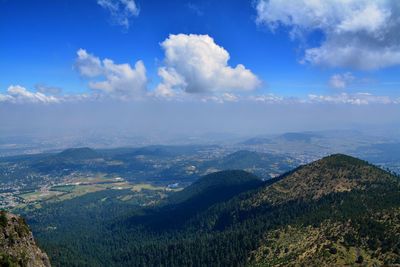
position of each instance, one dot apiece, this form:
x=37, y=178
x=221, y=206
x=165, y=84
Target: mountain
x=160, y=151
x=17, y=246
x=257, y=141
x=336, y=211
x=333, y=212
x=69, y=159
x=261, y=164
x=206, y=191
x=332, y=174
x=302, y=137
x=78, y=154
x=241, y=159
x=298, y=137
x=230, y=183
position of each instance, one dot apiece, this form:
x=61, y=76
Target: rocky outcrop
x=17, y=246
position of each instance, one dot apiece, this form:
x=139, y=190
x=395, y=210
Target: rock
x=17, y=245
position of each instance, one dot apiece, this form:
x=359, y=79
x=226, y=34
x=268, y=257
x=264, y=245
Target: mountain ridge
x=336, y=211
x=341, y=173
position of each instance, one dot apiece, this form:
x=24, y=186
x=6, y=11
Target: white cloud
x=120, y=80
x=196, y=64
x=354, y=99
x=45, y=89
x=268, y=98
x=19, y=94
x=121, y=10
x=5, y=98
x=230, y=97
x=340, y=81
x=87, y=64
x=360, y=34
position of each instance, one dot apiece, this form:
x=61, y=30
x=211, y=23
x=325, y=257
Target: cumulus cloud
x=359, y=34
x=87, y=64
x=341, y=81
x=196, y=64
x=121, y=10
x=120, y=80
x=19, y=94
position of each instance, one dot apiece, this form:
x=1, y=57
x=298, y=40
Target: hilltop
x=78, y=153
x=332, y=174
x=351, y=216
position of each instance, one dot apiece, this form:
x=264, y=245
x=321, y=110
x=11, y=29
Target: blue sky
x=242, y=66
x=40, y=40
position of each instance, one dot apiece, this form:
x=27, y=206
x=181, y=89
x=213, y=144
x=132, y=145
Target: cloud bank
x=19, y=94
x=358, y=34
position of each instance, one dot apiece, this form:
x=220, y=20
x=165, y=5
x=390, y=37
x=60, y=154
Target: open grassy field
x=78, y=186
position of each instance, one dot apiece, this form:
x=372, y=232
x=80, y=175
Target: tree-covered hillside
x=335, y=211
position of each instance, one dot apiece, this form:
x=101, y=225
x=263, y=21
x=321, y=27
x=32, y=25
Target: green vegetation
x=3, y=219
x=335, y=211
x=17, y=247
x=220, y=182
x=261, y=164
x=78, y=153
x=63, y=188
x=7, y=260
x=33, y=179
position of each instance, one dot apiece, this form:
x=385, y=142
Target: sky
x=193, y=56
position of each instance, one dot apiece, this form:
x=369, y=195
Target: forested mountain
x=211, y=189
x=17, y=247
x=215, y=185
x=335, y=211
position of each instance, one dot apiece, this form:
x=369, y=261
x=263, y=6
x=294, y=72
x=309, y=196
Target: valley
x=240, y=205
x=335, y=211
x=29, y=180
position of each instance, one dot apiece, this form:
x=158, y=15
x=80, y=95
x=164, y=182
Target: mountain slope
x=351, y=216
x=17, y=247
x=221, y=181
x=80, y=153
x=333, y=212
x=260, y=164
x=332, y=174
x=336, y=211
x=207, y=191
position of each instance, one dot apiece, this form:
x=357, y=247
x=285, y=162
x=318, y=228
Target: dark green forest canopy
x=225, y=219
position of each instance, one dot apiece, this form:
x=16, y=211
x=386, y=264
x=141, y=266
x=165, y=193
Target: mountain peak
x=343, y=160
x=331, y=174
